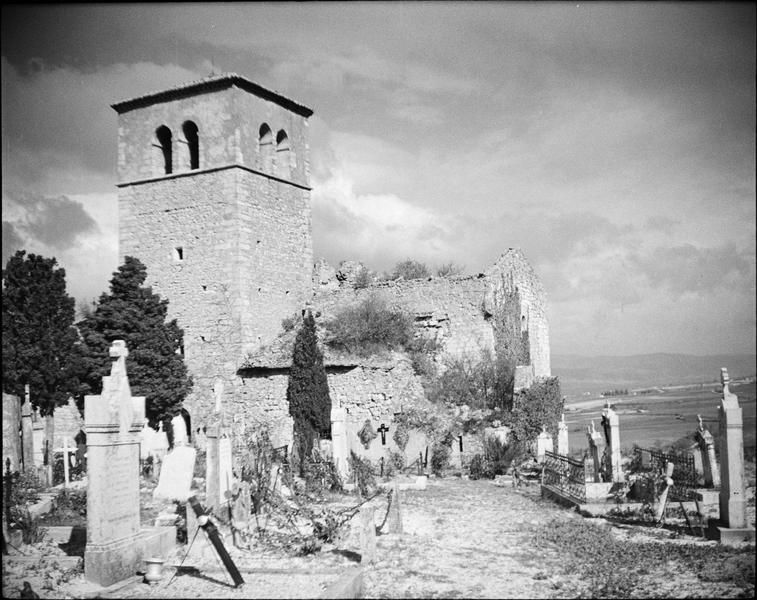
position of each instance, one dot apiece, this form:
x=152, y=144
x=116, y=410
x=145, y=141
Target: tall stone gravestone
x=115, y=544
x=11, y=428
x=27, y=433
x=596, y=444
x=611, y=425
x=563, y=446
x=339, y=443
x=732, y=525
x=710, y=468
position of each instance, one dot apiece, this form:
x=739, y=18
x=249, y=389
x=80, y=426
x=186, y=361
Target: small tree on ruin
x=155, y=365
x=308, y=392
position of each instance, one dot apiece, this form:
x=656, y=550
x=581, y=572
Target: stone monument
x=611, y=425
x=339, y=445
x=732, y=526
x=116, y=544
x=543, y=444
x=596, y=443
x=563, y=446
x=11, y=436
x=710, y=467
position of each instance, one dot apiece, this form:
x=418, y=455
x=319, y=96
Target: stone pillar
x=339, y=445
x=112, y=422
x=543, y=444
x=611, y=425
x=218, y=478
x=710, y=467
x=367, y=535
x=395, y=510
x=732, y=493
x=11, y=437
x=563, y=446
x=27, y=433
x=596, y=443
x=49, y=449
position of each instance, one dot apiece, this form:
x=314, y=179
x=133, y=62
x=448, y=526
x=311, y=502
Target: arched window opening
x=266, y=147
x=282, y=154
x=192, y=138
x=165, y=143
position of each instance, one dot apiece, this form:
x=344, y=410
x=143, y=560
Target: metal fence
x=684, y=472
x=566, y=475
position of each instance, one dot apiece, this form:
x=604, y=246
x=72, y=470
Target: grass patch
x=610, y=568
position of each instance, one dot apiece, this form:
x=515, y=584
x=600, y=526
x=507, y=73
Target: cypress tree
x=39, y=337
x=308, y=391
x=136, y=315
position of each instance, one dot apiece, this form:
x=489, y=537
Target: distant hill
x=595, y=374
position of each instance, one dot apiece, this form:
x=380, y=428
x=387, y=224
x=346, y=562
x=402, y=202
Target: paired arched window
x=282, y=154
x=265, y=144
x=192, y=141
x=165, y=147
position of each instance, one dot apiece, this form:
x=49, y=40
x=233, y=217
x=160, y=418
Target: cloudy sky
x=614, y=143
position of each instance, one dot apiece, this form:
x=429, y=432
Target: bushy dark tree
x=539, y=406
x=39, y=336
x=410, y=269
x=308, y=391
x=136, y=315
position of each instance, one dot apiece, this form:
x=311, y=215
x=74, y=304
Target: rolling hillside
x=595, y=374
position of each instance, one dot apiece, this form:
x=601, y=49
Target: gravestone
x=710, y=467
x=596, y=443
x=219, y=475
x=611, y=425
x=367, y=535
x=543, y=444
x=563, y=447
x=339, y=443
x=176, y=474
x=732, y=525
x=663, y=500
x=395, y=510
x=159, y=446
x=11, y=436
x=27, y=433
x=115, y=543
x=180, y=437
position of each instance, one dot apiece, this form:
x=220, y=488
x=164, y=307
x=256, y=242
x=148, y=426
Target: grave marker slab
x=176, y=474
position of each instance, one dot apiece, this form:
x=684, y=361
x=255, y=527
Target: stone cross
x=66, y=452
x=562, y=437
x=116, y=388
x=383, y=431
x=611, y=425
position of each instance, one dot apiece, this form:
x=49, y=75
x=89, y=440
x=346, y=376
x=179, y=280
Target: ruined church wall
x=449, y=309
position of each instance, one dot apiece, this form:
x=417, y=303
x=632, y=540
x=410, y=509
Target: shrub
x=539, y=406
x=440, y=457
x=321, y=475
x=401, y=434
x=410, y=269
x=363, y=473
x=362, y=279
x=395, y=462
x=368, y=328
x=479, y=382
x=450, y=269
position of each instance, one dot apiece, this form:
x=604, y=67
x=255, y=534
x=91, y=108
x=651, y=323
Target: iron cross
x=382, y=430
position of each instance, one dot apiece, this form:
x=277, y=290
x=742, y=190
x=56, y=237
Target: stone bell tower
x=214, y=198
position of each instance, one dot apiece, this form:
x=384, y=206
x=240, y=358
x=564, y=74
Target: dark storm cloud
x=56, y=222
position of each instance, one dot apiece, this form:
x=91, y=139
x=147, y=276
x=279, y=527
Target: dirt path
x=463, y=539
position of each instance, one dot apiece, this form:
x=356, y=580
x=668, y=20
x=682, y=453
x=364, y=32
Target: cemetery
x=231, y=422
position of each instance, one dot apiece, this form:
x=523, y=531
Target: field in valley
x=660, y=418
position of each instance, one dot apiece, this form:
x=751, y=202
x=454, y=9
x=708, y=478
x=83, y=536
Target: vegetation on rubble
x=39, y=337
x=363, y=473
x=308, y=394
x=601, y=566
x=495, y=459
x=540, y=405
x=155, y=365
x=410, y=269
x=450, y=269
x=369, y=327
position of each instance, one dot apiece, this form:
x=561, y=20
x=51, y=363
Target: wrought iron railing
x=684, y=472
x=565, y=475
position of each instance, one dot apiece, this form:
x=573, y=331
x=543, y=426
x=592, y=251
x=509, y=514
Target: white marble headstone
x=176, y=474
